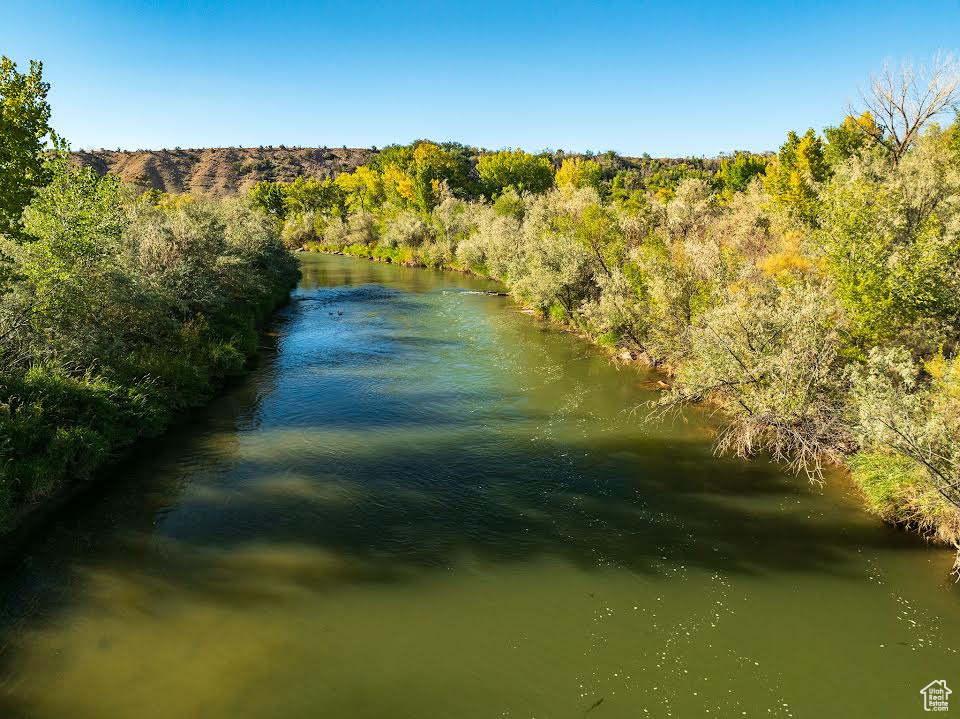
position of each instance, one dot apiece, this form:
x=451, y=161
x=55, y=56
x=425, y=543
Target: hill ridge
x=221, y=171
x=225, y=171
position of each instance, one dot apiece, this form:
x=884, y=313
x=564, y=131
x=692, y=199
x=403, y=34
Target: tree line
x=812, y=295
x=117, y=310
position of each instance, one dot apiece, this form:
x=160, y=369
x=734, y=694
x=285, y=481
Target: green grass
x=898, y=490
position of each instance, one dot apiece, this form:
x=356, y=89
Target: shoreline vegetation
x=117, y=311
x=811, y=295
x=123, y=314
x=890, y=487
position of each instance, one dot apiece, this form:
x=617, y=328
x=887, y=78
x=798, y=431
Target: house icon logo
x=935, y=696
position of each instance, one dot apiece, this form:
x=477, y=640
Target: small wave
x=359, y=293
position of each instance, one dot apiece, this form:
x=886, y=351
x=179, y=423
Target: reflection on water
x=425, y=504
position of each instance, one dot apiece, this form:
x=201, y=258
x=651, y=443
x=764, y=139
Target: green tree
x=432, y=166
x=891, y=235
x=69, y=275
x=597, y=229
x=362, y=189
x=413, y=175
x=794, y=176
x=515, y=169
x=24, y=130
x=849, y=137
x=271, y=197
x=736, y=174
x=953, y=137
x=392, y=155
x=628, y=192
x=308, y=194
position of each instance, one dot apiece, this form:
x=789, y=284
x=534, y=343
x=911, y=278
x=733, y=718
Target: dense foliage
x=813, y=295
x=116, y=312
x=24, y=129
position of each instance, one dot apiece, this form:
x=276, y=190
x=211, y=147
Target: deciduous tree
x=24, y=132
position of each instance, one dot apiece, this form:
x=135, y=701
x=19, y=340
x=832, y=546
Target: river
x=425, y=504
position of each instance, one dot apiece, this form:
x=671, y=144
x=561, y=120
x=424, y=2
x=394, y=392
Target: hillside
x=221, y=171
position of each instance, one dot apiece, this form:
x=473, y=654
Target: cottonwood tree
x=904, y=100
x=24, y=130
x=794, y=176
x=579, y=172
x=514, y=169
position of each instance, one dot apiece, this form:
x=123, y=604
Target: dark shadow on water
x=423, y=509
x=636, y=504
x=190, y=519
x=633, y=506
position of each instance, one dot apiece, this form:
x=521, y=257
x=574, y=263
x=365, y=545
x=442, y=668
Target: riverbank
x=20, y=524
x=431, y=473
x=891, y=488
x=119, y=314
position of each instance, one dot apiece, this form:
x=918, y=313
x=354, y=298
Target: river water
x=425, y=504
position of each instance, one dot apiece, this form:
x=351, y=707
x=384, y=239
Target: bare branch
x=903, y=103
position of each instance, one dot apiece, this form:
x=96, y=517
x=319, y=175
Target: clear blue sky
x=660, y=77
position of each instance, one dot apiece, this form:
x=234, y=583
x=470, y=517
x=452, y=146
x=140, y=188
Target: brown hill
x=221, y=171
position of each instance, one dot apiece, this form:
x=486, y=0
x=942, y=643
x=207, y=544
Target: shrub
x=116, y=315
x=406, y=230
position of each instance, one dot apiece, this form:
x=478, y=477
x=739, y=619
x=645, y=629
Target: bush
x=116, y=315
x=299, y=230
x=356, y=229
x=897, y=490
x=770, y=360
x=406, y=230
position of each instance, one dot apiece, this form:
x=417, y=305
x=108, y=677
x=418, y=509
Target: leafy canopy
x=793, y=178
x=515, y=169
x=24, y=130
x=579, y=172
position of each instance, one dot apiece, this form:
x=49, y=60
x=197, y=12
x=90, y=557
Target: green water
x=424, y=503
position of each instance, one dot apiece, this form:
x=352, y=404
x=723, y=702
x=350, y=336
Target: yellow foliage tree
x=579, y=172
x=363, y=188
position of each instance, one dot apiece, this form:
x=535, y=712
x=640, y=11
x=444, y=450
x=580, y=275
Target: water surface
x=423, y=504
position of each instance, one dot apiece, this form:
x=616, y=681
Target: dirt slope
x=221, y=171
